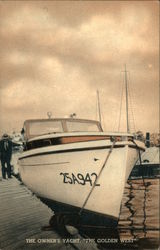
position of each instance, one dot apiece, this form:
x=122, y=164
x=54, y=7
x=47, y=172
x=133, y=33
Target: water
x=139, y=219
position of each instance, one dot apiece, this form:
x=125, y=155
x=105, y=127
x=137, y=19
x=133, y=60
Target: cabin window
x=82, y=126
x=42, y=143
x=47, y=127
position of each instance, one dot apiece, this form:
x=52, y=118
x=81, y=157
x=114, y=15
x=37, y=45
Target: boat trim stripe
x=71, y=150
x=45, y=164
x=77, y=149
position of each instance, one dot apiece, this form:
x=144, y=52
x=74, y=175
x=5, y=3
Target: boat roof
x=61, y=119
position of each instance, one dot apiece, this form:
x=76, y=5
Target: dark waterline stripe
x=75, y=208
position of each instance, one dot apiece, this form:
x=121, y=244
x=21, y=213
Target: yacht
x=76, y=168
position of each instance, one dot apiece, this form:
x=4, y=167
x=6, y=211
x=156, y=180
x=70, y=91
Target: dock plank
x=22, y=215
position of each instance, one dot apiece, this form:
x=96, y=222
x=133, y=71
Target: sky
x=55, y=55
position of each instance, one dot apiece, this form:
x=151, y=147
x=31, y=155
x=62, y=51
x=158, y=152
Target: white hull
x=49, y=171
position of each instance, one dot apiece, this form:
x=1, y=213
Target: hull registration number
x=70, y=178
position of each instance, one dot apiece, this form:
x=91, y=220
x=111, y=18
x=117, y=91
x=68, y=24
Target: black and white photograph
x=79, y=125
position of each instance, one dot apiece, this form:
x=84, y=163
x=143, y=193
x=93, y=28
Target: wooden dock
x=22, y=215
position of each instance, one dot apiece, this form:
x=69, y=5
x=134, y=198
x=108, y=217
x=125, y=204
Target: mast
x=99, y=108
x=126, y=85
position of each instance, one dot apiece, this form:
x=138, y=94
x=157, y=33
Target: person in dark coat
x=5, y=155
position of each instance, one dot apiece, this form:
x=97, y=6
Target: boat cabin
x=48, y=132
x=37, y=127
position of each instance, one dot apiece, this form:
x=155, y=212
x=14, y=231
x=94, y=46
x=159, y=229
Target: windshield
x=74, y=126
x=47, y=127
x=34, y=128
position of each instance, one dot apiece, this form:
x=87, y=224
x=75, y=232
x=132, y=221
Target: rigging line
x=116, y=108
x=126, y=88
x=120, y=111
x=99, y=108
x=131, y=108
x=100, y=172
x=96, y=108
x=132, y=99
x=131, y=86
x=103, y=121
x=100, y=112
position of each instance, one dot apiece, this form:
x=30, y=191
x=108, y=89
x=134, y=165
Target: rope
x=88, y=196
x=140, y=161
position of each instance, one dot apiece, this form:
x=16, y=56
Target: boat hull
x=65, y=176
x=88, y=219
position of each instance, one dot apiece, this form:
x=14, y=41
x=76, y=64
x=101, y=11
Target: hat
x=5, y=136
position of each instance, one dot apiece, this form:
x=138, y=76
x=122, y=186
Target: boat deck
x=22, y=215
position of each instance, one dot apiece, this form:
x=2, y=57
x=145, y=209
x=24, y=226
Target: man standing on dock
x=5, y=155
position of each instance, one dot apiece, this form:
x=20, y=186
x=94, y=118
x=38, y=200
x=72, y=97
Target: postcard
x=79, y=125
